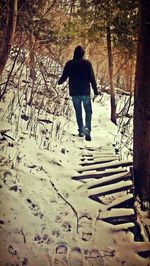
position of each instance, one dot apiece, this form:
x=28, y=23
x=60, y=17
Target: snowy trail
x=49, y=215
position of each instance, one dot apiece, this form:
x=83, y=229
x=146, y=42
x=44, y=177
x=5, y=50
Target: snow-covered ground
x=45, y=213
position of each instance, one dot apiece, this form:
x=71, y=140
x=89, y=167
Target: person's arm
x=93, y=80
x=65, y=74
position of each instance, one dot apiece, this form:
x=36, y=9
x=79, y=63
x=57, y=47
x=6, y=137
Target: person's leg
x=77, y=103
x=88, y=111
x=88, y=116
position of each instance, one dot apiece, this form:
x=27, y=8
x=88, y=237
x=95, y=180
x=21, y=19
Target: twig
x=24, y=236
x=75, y=212
x=4, y=134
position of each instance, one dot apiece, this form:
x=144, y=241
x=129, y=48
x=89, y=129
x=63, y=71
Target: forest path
x=100, y=195
x=106, y=216
x=71, y=204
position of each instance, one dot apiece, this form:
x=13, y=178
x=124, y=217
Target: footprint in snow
x=93, y=257
x=86, y=227
x=35, y=209
x=61, y=255
x=45, y=238
x=76, y=257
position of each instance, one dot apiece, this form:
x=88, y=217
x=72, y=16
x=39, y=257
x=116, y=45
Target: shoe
x=87, y=135
x=81, y=134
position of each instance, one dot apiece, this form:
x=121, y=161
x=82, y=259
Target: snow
x=42, y=207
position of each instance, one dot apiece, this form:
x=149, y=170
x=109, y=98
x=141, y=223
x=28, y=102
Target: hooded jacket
x=81, y=76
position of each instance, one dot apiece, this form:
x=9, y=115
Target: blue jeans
x=77, y=103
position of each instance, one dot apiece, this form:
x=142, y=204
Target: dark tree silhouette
x=142, y=106
x=10, y=27
x=111, y=77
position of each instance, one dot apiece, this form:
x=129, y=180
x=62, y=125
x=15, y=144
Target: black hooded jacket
x=81, y=75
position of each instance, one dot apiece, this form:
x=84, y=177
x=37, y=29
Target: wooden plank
x=116, y=213
x=98, y=161
x=120, y=220
x=97, y=153
x=118, y=216
x=108, y=180
x=98, y=174
x=124, y=201
x=101, y=148
x=113, y=164
x=123, y=226
x=95, y=157
x=110, y=189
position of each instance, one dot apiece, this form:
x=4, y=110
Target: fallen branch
x=4, y=134
x=75, y=212
x=24, y=236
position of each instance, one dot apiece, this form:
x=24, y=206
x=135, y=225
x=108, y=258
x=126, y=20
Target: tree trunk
x=83, y=39
x=111, y=76
x=10, y=31
x=32, y=55
x=142, y=106
x=32, y=65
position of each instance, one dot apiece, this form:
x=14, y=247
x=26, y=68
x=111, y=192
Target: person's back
x=81, y=75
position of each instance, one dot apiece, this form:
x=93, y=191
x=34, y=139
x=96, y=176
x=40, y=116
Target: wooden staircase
x=110, y=182
x=106, y=176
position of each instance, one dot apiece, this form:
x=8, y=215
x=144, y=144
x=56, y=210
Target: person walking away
x=81, y=77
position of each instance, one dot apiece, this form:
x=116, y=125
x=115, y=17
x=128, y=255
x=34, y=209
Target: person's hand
x=95, y=96
x=100, y=93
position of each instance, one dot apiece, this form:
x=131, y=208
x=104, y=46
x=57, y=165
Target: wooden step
x=98, y=174
x=102, y=166
x=110, y=189
x=99, y=149
x=122, y=202
x=97, y=154
x=108, y=180
x=98, y=161
x=120, y=219
x=116, y=213
x=123, y=226
x=96, y=157
x=118, y=216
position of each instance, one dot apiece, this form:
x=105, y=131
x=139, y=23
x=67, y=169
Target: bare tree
x=11, y=21
x=111, y=76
